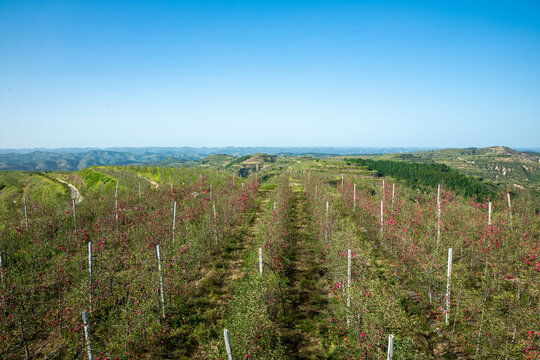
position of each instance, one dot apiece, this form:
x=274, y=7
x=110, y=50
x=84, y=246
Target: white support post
x=74, y=216
x=116, y=204
x=448, y=286
x=260, y=262
x=162, y=296
x=25, y=213
x=382, y=217
x=393, y=193
x=174, y=221
x=509, y=209
x=2, y=267
x=210, y=192
x=390, y=347
x=228, y=344
x=382, y=196
x=438, y=215
x=90, y=287
x=242, y=186
x=116, y=216
x=342, y=184
x=326, y=223
x=316, y=185
x=215, y=223
x=86, y=325
x=489, y=214
x=349, y=263
x=274, y=205
x=139, y=191
x=354, y=198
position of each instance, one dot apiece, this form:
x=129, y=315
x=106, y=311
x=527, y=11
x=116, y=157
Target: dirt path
x=305, y=296
x=153, y=184
x=75, y=193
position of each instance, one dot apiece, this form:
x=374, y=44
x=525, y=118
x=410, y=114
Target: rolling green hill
x=505, y=167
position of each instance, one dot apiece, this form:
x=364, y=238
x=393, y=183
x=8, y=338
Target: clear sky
x=269, y=73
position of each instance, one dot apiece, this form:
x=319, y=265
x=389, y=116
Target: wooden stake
x=260, y=262
x=86, y=325
x=162, y=297
x=390, y=347
x=228, y=344
x=90, y=289
x=448, y=286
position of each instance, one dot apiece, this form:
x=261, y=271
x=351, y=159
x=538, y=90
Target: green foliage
x=238, y=160
x=95, y=179
x=47, y=191
x=429, y=175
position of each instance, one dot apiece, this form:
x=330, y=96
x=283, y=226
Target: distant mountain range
x=497, y=163
x=72, y=159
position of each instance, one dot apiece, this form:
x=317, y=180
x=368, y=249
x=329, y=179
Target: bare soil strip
x=75, y=193
x=153, y=184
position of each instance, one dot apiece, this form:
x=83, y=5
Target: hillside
x=503, y=166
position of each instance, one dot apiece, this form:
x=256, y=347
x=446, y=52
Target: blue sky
x=269, y=73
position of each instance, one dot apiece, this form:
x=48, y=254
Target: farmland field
x=163, y=259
